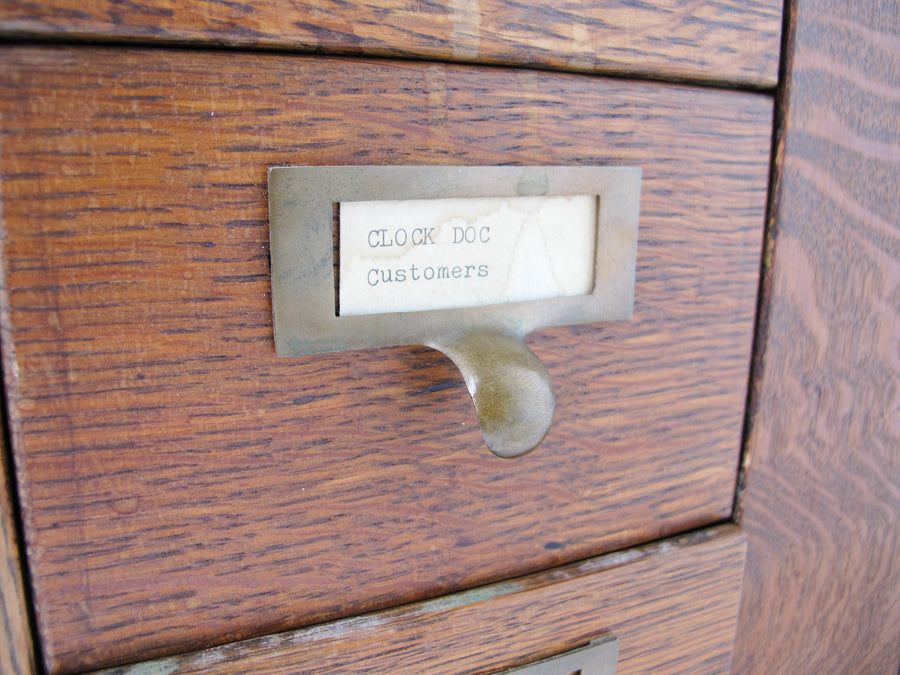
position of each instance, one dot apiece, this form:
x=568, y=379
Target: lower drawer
x=672, y=605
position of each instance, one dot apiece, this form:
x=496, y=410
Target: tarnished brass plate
x=303, y=206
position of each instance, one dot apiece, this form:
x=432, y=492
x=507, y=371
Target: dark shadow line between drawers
x=766, y=269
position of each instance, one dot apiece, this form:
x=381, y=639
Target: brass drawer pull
x=376, y=304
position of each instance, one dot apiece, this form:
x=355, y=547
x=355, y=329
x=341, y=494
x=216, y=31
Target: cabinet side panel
x=822, y=501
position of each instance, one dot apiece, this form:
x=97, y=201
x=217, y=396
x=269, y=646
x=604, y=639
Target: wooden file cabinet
x=179, y=488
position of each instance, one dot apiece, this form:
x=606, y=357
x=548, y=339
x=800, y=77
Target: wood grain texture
x=822, y=504
x=673, y=606
x=186, y=487
x=16, y=652
x=721, y=40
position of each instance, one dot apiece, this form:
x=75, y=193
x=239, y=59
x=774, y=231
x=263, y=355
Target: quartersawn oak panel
x=821, y=506
x=673, y=606
x=721, y=40
x=182, y=486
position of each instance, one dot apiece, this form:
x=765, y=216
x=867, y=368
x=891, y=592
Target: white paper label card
x=427, y=254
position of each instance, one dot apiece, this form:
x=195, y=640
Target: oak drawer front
x=672, y=605
x=715, y=40
x=181, y=486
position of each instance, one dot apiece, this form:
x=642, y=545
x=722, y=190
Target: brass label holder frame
x=510, y=387
x=599, y=657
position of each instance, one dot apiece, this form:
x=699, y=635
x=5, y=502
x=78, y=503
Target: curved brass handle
x=510, y=387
